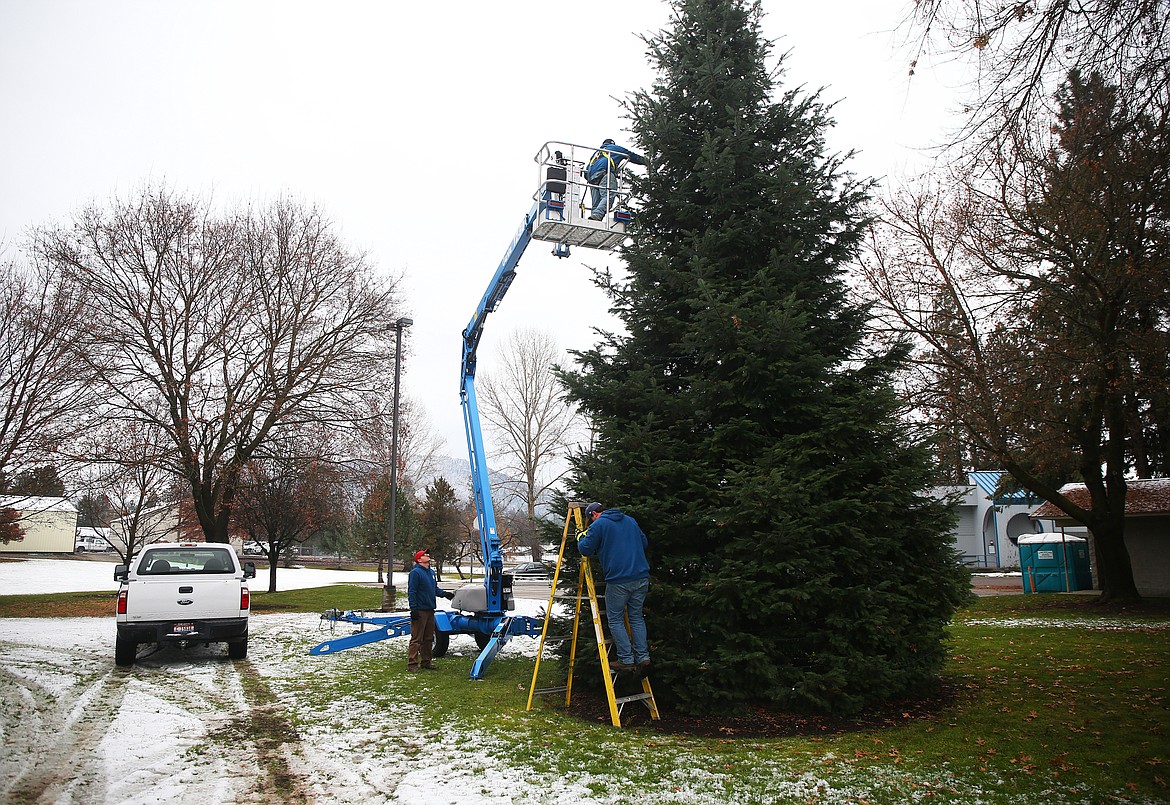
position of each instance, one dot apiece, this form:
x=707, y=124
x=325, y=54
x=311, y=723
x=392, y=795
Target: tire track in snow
x=272, y=737
x=180, y=726
x=215, y=753
x=52, y=739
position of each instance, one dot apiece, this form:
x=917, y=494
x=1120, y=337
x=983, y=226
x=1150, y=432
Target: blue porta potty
x=1055, y=563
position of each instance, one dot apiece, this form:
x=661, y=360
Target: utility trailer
x=559, y=215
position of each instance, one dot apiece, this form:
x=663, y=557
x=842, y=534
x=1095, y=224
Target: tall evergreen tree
x=438, y=518
x=41, y=481
x=795, y=560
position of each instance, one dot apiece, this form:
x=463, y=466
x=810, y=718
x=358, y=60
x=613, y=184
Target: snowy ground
x=84, y=575
x=190, y=726
x=181, y=726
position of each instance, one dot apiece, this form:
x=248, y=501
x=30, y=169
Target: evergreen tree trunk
x=796, y=560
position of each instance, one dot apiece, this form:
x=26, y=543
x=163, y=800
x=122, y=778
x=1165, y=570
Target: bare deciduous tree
x=44, y=387
x=467, y=550
x=222, y=330
x=418, y=443
x=1023, y=50
x=369, y=451
x=126, y=465
x=1037, y=295
x=533, y=424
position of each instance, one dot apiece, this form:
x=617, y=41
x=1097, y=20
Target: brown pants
x=422, y=637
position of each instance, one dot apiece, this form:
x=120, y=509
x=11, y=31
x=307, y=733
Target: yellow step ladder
x=586, y=591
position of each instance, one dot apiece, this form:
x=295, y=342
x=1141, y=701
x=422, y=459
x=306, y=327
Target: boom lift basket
x=564, y=201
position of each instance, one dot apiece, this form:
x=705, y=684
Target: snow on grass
x=34, y=576
x=161, y=732
x=1096, y=624
x=77, y=730
x=357, y=744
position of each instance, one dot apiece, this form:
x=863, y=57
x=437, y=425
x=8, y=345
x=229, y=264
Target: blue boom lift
x=560, y=215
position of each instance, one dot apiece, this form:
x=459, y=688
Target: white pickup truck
x=184, y=593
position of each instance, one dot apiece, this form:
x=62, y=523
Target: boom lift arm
x=489, y=540
x=558, y=215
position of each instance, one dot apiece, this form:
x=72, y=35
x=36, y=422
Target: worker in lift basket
x=602, y=174
x=620, y=546
x=421, y=589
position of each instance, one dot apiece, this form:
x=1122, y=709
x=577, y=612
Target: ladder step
x=544, y=691
x=637, y=697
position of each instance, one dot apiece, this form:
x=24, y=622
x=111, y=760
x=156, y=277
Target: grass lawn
x=1053, y=698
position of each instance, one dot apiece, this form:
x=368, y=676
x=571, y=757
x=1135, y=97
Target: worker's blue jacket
x=610, y=157
x=422, y=587
x=619, y=544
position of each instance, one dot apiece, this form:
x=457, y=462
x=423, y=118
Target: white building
x=988, y=526
x=156, y=524
x=47, y=525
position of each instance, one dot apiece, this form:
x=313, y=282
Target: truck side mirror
x=121, y=572
x=249, y=570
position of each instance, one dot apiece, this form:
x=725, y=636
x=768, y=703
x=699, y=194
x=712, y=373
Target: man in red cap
x=421, y=589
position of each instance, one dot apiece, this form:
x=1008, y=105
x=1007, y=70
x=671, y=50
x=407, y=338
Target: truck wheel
x=238, y=650
x=439, y=647
x=482, y=639
x=124, y=652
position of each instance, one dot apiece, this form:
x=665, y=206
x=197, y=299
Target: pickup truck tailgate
x=182, y=598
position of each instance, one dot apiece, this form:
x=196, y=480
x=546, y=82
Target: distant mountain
x=457, y=472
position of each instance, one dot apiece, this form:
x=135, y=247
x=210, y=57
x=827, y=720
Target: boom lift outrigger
x=559, y=215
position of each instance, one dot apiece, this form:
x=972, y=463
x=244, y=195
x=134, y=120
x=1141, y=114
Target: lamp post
x=388, y=591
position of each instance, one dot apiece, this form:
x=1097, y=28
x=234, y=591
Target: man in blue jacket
x=602, y=174
x=620, y=546
x=421, y=589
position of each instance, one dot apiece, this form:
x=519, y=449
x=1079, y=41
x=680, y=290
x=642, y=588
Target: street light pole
x=388, y=590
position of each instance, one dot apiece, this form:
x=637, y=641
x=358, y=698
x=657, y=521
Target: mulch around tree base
x=760, y=722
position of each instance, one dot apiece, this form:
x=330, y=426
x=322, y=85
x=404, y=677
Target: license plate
x=183, y=628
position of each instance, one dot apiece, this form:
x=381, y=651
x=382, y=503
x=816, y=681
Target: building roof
x=32, y=503
x=988, y=481
x=1145, y=496
x=1049, y=537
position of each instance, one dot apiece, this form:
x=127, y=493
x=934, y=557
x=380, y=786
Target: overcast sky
x=386, y=114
